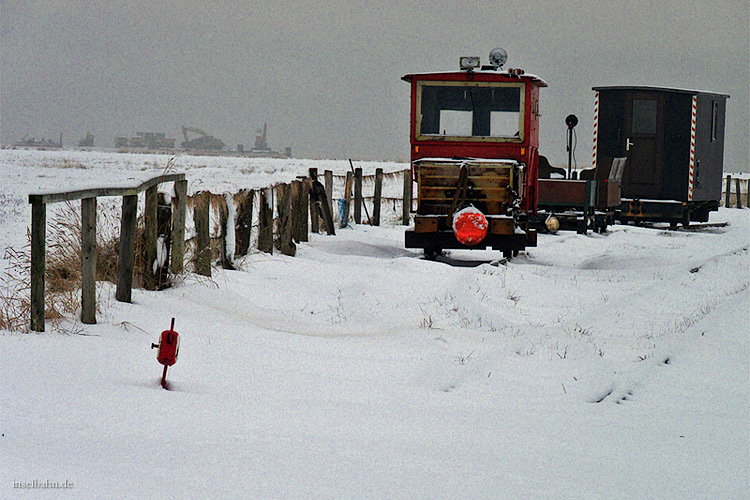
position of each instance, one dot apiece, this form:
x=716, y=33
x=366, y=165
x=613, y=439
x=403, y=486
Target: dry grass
x=63, y=266
x=15, y=305
x=64, y=246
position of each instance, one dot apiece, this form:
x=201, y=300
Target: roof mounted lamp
x=498, y=57
x=467, y=63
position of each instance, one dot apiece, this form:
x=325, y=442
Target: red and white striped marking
x=692, y=149
x=596, y=126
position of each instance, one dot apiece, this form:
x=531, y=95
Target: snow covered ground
x=611, y=366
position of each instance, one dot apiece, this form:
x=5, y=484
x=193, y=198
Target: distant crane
x=185, y=130
x=205, y=141
x=261, y=148
x=260, y=140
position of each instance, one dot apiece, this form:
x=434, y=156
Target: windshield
x=490, y=111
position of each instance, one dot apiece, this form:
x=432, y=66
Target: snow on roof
x=659, y=89
x=504, y=73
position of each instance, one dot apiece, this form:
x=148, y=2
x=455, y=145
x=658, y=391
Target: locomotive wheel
x=686, y=218
x=432, y=253
x=582, y=226
x=701, y=215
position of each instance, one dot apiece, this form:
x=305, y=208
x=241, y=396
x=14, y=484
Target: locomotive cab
x=474, y=143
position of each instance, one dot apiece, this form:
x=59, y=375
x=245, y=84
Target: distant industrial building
x=145, y=140
x=87, y=141
x=30, y=142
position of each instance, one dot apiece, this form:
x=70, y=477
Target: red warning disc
x=470, y=226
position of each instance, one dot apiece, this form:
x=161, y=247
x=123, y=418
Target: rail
x=128, y=220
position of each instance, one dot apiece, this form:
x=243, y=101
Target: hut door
x=643, y=139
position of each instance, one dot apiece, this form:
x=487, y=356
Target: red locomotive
x=474, y=143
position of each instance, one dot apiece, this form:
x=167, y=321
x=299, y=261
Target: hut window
x=644, y=116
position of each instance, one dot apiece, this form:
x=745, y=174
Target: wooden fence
x=297, y=212
x=280, y=216
x=88, y=199
x=735, y=198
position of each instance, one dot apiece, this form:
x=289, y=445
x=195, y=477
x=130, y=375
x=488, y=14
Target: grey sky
x=325, y=74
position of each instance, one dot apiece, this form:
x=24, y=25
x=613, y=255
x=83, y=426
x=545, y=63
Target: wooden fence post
x=739, y=192
x=88, y=261
x=127, y=248
x=149, y=238
x=729, y=190
x=322, y=209
x=358, y=195
x=265, y=221
x=328, y=178
x=202, y=258
x=300, y=204
x=225, y=226
x=163, y=242
x=178, y=226
x=244, y=223
x=284, y=229
x=344, y=218
x=314, y=217
x=378, y=196
x=304, y=223
x=407, y=198
x=38, y=261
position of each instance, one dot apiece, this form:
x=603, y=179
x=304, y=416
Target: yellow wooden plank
x=425, y=224
x=483, y=181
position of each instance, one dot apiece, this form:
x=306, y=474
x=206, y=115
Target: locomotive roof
x=658, y=89
x=534, y=78
x=472, y=160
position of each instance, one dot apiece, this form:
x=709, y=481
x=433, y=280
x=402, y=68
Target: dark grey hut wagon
x=674, y=143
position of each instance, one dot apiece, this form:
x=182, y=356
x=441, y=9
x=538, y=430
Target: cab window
x=472, y=111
